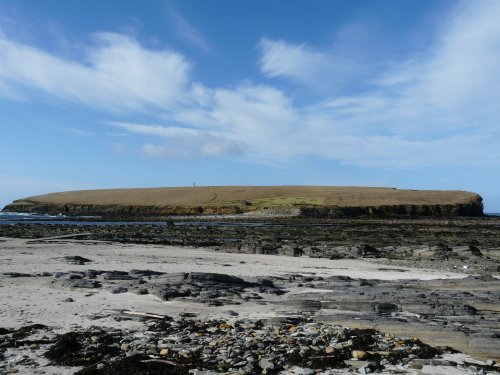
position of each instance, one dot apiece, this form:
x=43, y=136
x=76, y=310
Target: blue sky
x=98, y=94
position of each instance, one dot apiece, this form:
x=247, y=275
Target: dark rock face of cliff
x=473, y=209
x=125, y=210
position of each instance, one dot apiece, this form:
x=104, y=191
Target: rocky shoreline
x=435, y=243
x=206, y=299
x=189, y=346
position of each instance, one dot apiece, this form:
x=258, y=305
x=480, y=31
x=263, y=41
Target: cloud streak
x=188, y=33
x=440, y=107
x=118, y=74
x=178, y=143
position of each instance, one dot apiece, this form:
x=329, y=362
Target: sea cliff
x=306, y=201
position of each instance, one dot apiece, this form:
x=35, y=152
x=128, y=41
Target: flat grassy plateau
x=239, y=199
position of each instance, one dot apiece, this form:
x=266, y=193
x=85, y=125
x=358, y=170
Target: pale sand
x=26, y=300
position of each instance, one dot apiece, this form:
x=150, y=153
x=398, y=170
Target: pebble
x=258, y=347
x=266, y=364
x=359, y=354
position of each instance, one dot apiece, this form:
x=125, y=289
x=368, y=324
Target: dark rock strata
x=474, y=208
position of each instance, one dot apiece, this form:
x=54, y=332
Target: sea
x=9, y=218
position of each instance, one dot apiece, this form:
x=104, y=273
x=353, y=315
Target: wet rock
x=118, y=275
x=167, y=293
x=144, y=273
x=16, y=274
x=79, y=283
x=73, y=276
x=188, y=315
x=385, y=308
x=118, y=290
x=214, y=278
x=76, y=259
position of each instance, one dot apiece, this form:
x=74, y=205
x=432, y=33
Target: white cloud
x=296, y=61
x=184, y=143
x=257, y=108
x=119, y=74
x=419, y=114
x=437, y=108
x=194, y=147
x=155, y=130
x=327, y=71
x=464, y=70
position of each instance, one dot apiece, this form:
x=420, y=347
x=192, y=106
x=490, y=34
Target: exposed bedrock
x=459, y=313
x=472, y=209
x=472, y=242
x=30, y=206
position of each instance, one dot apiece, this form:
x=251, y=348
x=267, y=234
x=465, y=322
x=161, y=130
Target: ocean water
x=19, y=216
x=8, y=218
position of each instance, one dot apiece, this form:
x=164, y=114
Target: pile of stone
x=282, y=346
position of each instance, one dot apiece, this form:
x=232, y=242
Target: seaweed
x=363, y=339
x=77, y=349
x=136, y=365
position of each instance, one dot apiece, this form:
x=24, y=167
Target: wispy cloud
x=323, y=71
x=75, y=131
x=194, y=147
x=179, y=143
x=155, y=130
x=188, y=33
x=118, y=75
x=438, y=107
x=295, y=61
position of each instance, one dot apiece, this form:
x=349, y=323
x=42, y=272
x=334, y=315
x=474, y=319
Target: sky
x=107, y=94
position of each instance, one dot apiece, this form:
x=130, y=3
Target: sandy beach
x=28, y=301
